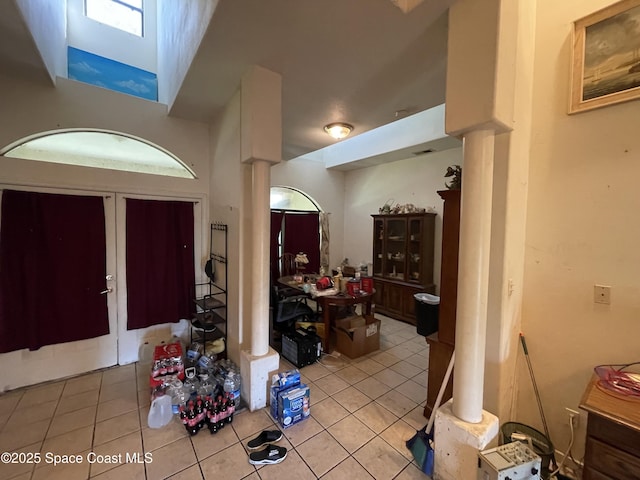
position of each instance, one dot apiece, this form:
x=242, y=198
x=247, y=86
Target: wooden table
x=613, y=434
x=327, y=302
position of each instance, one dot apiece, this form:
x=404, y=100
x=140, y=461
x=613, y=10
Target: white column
x=261, y=171
x=473, y=274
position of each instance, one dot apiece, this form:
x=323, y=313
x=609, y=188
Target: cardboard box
x=293, y=405
x=357, y=336
x=280, y=382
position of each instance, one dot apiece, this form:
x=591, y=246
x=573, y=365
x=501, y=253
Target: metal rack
x=209, y=322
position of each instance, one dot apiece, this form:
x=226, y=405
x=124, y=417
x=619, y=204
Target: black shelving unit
x=209, y=322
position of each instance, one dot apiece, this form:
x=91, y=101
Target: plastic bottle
x=230, y=408
x=194, y=351
x=192, y=426
x=160, y=412
x=206, y=362
x=222, y=412
x=179, y=396
x=206, y=386
x=232, y=384
x=213, y=418
x=145, y=354
x=191, y=383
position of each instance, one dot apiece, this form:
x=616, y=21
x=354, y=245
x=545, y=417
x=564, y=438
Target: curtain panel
x=302, y=234
x=274, y=254
x=160, y=262
x=52, y=269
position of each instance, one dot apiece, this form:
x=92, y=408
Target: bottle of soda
x=230, y=408
x=199, y=413
x=191, y=419
x=213, y=418
x=222, y=412
x=183, y=416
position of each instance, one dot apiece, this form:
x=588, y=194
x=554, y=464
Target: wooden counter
x=613, y=434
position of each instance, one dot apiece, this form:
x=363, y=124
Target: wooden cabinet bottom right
x=613, y=435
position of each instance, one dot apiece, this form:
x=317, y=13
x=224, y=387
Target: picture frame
x=605, y=67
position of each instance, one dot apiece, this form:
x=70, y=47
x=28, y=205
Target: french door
x=129, y=341
x=119, y=346
x=26, y=367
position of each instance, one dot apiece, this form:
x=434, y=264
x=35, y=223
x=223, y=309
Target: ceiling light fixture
x=338, y=130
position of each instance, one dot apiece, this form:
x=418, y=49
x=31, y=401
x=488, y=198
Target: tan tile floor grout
x=362, y=412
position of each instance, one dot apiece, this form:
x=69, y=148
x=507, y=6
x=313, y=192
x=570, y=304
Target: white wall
x=181, y=26
x=414, y=180
x=227, y=179
x=47, y=21
x=32, y=108
x=582, y=230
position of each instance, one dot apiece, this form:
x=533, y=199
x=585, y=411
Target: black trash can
x=427, y=307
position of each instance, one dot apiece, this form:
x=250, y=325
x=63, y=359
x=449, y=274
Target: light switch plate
x=602, y=294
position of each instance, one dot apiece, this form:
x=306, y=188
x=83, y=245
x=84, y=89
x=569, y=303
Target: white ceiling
x=364, y=62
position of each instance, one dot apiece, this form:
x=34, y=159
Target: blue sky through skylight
x=106, y=73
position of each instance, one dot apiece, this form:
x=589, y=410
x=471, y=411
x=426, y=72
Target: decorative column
x=473, y=275
x=260, y=147
x=260, y=252
x=479, y=101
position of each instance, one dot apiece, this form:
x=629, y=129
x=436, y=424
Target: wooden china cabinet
x=441, y=343
x=402, y=262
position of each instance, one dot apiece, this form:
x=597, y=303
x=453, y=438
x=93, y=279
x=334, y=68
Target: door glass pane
x=413, y=252
x=395, y=248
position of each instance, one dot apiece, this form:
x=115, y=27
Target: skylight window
x=124, y=15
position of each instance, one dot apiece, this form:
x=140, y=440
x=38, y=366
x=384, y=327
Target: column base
x=457, y=443
x=256, y=377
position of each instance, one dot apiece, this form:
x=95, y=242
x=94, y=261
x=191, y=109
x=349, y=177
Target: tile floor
x=362, y=411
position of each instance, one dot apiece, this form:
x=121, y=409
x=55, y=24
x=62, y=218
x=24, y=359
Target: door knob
x=108, y=290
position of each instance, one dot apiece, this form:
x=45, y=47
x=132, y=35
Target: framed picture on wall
x=606, y=57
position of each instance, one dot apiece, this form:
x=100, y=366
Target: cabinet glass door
x=378, y=243
x=395, y=248
x=414, y=260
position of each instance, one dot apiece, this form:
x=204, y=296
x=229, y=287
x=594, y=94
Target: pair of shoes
x=270, y=455
x=267, y=436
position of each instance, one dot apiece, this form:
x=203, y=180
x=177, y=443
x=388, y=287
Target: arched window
x=99, y=149
x=288, y=198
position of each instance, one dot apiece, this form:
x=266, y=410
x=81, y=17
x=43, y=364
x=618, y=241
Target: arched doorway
x=298, y=225
x=73, y=354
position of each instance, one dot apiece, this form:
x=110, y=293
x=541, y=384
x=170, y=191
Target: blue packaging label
x=293, y=405
x=280, y=382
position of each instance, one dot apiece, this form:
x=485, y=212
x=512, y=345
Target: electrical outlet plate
x=602, y=294
x=574, y=417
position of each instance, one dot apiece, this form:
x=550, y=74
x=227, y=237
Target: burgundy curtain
x=302, y=234
x=160, y=271
x=276, y=227
x=52, y=269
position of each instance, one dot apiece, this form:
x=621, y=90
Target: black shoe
x=267, y=436
x=270, y=455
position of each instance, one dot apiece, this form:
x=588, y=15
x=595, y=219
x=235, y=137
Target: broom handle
x=535, y=386
x=432, y=417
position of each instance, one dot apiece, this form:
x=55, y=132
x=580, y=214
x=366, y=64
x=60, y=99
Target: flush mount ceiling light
x=338, y=130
